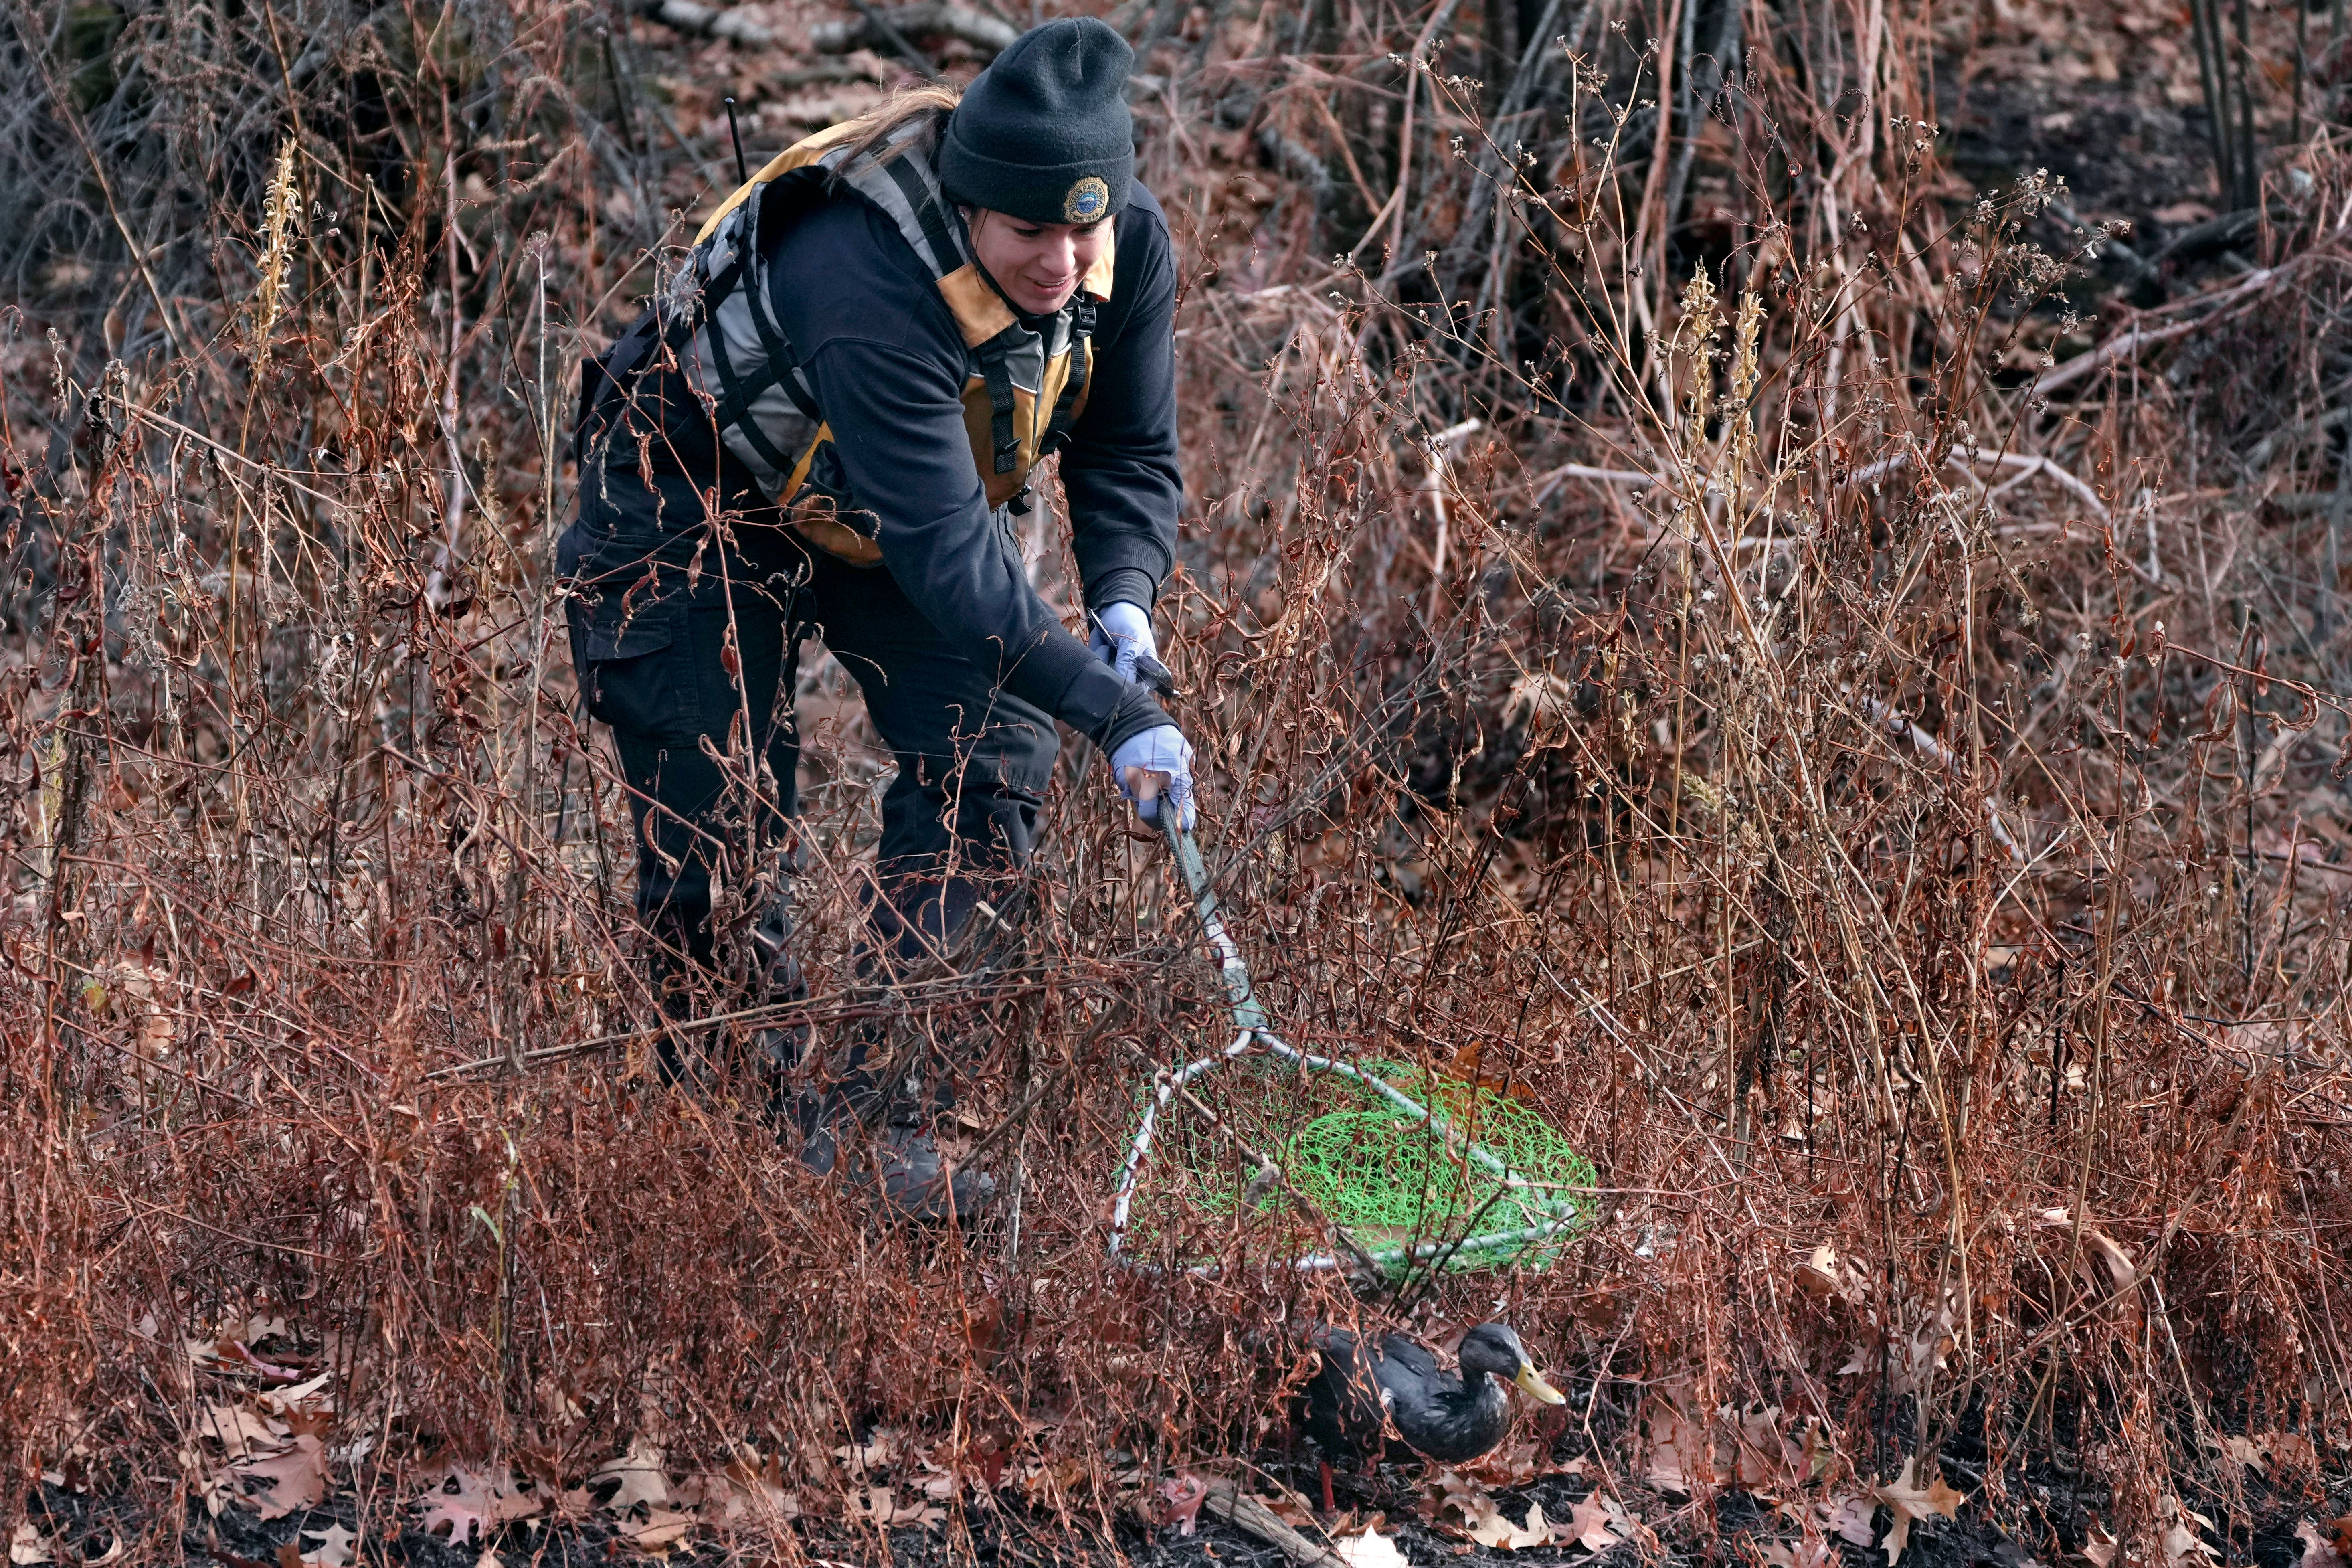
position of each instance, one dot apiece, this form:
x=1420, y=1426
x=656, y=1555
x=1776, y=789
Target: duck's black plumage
x=1440, y=1415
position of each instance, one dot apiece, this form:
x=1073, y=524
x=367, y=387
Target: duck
x=1361, y=1392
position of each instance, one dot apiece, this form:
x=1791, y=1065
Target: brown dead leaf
x=153, y=1041
x=241, y=1433
x=1747, y=1449
x=876, y=1506
x=214, y=1488
x=1767, y=1461
x=1497, y=1532
x=1457, y=1505
x=660, y=1530
x=1542, y=702
x=1181, y=1497
x=1909, y=1503
x=1514, y=1465
x=719, y=1501
x=474, y=1505
x=28, y=1547
x=334, y=1548
x=875, y=1453
x=2099, y=1548
x=296, y=1475
x=2318, y=1549
x=2106, y=1269
x=1682, y=1458
x=1438, y=1492
x=2184, y=1546
x=1921, y=1354
x=638, y=1474
x=2288, y=1450
x=1849, y=1519
x=298, y=1399
x=751, y=1490
x=2293, y=1451
x=1808, y=1552
x=1817, y=1276
x=1594, y=1523
x=227, y=1354
x=2184, y=1537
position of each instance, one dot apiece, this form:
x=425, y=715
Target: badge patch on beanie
x=1088, y=201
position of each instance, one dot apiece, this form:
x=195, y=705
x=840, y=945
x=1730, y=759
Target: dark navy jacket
x=888, y=365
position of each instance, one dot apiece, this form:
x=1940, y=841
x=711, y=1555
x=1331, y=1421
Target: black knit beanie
x=1043, y=134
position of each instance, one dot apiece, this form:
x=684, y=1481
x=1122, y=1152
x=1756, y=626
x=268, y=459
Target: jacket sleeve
x=1121, y=471
x=898, y=424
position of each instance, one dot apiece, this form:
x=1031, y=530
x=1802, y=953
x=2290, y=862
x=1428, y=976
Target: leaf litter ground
x=1413, y=1513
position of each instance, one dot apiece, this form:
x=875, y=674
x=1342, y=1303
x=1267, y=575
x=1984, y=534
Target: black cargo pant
x=683, y=666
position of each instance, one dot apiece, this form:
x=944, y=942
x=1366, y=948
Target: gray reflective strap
x=1073, y=386
x=738, y=394
x=923, y=199
x=796, y=388
x=734, y=406
x=753, y=284
x=783, y=367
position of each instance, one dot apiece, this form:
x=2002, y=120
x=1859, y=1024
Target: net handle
x=1248, y=1016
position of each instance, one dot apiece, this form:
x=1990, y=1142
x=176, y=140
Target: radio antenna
x=735, y=133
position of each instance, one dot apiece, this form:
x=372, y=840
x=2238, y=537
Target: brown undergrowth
x=1667, y=637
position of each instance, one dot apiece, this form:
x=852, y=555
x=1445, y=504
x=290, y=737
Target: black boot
x=678, y=1056
x=873, y=1106
x=898, y=1165
x=778, y=1049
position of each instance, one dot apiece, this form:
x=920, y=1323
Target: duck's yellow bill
x=1532, y=1382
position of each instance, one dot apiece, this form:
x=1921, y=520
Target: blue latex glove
x=1162, y=751
x=1122, y=633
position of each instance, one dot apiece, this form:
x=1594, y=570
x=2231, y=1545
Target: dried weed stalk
x=1858, y=777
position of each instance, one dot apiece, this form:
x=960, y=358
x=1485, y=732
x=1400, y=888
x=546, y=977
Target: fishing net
x=1375, y=1168
x=1412, y=1171
x=1469, y=1179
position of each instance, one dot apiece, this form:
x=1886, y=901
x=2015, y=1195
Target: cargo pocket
x=637, y=674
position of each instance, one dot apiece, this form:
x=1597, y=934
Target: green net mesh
x=1394, y=1181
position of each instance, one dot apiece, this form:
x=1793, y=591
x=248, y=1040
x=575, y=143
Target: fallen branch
x=1900, y=725
x=710, y=21
x=2027, y=466
x=935, y=18
x=774, y=1015
x=2276, y=441
x=2303, y=503
x=2024, y=465
x=2135, y=338
x=1550, y=481
x=2121, y=346
x=1251, y=1517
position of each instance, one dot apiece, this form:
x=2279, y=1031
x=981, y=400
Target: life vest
x=1024, y=386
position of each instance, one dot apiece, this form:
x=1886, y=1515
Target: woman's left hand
x=1156, y=762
